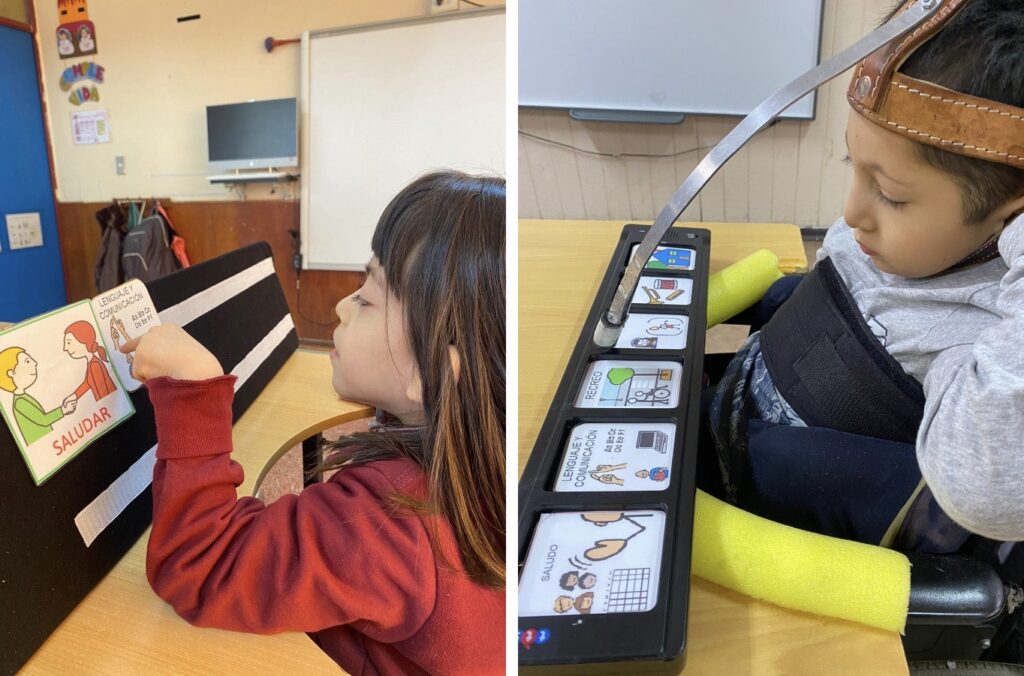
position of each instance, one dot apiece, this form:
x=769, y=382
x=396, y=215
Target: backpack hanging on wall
x=107, y=272
x=146, y=251
x=177, y=241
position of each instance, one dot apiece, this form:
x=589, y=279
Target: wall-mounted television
x=252, y=135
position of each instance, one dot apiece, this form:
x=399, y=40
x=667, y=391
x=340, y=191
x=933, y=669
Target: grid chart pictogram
x=628, y=590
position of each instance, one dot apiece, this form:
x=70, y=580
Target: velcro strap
x=830, y=368
x=840, y=395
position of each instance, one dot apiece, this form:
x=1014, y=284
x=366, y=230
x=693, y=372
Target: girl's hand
x=166, y=350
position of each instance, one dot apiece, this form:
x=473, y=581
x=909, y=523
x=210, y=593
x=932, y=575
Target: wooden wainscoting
x=211, y=229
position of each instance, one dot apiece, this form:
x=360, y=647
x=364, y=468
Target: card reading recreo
x=631, y=384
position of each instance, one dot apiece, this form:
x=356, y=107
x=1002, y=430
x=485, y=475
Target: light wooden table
x=561, y=264
x=122, y=627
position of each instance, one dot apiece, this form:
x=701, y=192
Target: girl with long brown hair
x=396, y=563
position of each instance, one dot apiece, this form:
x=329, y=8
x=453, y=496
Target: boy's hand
x=166, y=350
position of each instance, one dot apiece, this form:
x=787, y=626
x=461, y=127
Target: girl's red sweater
x=337, y=561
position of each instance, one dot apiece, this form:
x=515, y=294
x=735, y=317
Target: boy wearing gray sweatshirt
x=927, y=263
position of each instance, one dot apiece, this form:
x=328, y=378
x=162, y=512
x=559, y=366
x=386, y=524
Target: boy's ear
x=1013, y=209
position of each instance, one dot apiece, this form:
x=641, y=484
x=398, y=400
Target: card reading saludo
x=60, y=379
x=617, y=457
x=584, y=563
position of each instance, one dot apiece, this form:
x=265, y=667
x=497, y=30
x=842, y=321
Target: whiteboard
x=384, y=103
x=682, y=56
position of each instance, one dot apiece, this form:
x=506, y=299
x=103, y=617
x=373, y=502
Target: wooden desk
x=561, y=264
x=122, y=627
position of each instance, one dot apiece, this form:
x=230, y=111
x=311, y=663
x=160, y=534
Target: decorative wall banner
x=84, y=95
x=87, y=70
x=76, y=35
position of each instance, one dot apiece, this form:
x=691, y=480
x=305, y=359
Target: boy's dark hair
x=978, y=53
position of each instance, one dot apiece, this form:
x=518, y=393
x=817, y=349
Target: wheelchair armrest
x=953, y=590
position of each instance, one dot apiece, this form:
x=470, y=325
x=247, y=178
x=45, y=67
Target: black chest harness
x=831, y=369
x=853, y=471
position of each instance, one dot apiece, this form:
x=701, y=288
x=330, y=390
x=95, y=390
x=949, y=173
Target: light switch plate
x=24, y=230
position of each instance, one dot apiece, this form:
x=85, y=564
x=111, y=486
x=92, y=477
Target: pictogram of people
x=80, y=343
x=582, y=603
x=18, y=372
x=604, y=474
x=654, y=473
x=573, y=578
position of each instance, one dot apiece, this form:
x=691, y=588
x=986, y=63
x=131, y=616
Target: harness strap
x=831, y=369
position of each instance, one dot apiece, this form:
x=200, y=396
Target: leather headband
x=928, y=113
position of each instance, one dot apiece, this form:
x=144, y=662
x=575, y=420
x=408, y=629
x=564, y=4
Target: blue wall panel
x=31, y=280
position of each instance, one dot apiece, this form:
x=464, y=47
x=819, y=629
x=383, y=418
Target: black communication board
x=46, y=568
x=604, y=547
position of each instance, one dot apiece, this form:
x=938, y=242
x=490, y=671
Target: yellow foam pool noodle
x=737, y=287
x=797, y=569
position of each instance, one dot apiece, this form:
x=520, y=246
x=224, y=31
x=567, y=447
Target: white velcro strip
x=109, y=504
x=198, y=305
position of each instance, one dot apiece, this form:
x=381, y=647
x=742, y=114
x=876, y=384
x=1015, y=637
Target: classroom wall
x=15, y=10
x=159, y=77
x=214, y=228
x=790, y=173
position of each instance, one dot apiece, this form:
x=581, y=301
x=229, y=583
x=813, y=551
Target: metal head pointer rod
x=608, y=329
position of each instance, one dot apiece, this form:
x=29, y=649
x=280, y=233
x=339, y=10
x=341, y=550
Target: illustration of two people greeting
x=19, y=371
